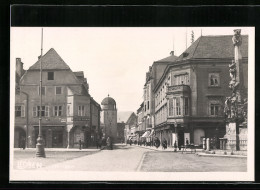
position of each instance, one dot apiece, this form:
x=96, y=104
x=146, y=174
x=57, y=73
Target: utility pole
x=39, y=146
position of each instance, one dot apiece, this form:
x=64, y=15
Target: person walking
x=164, y=144
x=80, y=144
x=130, y=142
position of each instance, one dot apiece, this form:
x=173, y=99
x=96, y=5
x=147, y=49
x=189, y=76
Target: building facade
x=131, y=127
x=190, y=96
x=67, y=116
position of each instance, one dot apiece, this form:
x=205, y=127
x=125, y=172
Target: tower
x=109, y=117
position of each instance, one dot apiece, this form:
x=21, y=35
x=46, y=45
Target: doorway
x=180, y=138
x=57, y=139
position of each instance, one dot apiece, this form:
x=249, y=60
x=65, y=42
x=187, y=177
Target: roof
x=122, y=116
x=78, y=90
x=168, y=59
x=50, y=61
x=108, y=101
x=79, y=73
x=214, y=47
x=132, y=119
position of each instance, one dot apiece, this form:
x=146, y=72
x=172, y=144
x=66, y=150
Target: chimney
x=39, y=57
x=172, y=52
x=19, y=67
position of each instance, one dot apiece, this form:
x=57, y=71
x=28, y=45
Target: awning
x=146, y=134
x=152, y=133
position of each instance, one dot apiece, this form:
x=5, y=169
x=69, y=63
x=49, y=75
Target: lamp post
x=39, y=146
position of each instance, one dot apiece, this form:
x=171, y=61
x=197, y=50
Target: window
x=214, y=79
x=44, y=111
x=214, y=109
x=81, y=111
x=58, y=90
x=186, y=106
x=148, y=105
x=57, y=110
x=68, y=110
x=50, y=75
x=170, y=107
x=182, y=79
x=19, y=111
x=178, y=106
x=43, y=90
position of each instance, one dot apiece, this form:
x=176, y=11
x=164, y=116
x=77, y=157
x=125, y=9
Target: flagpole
x=39, y=146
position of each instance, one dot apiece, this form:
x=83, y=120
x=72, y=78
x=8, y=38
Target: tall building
x=190, y=95
x=69, y=113
x=109, y=118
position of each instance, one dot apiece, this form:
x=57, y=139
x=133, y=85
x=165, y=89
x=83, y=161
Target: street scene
x=130, y=99
x=139, y=159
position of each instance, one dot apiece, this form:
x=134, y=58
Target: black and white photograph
x=132, y=103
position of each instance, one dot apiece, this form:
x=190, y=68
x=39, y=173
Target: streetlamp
x=39, y=146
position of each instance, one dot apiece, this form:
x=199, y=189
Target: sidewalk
x=199, y=152
x=169, y=149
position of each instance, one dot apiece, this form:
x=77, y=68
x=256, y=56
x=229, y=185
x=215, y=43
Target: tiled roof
x=171, y=58
x=214, y=47
x=51, y=60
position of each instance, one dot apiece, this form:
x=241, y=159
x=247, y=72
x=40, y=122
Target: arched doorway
x=19, y=137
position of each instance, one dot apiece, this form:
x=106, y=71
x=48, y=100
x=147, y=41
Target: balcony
x=178, y=89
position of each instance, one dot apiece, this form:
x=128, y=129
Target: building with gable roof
x=190, y=95
x=69, y=113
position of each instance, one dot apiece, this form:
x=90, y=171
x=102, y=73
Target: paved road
x=123, y=158
x=133, y=158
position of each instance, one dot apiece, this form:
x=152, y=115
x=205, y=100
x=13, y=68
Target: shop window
x=50, y=75
x=214, y=79
x=19, y=111
x=57, y=110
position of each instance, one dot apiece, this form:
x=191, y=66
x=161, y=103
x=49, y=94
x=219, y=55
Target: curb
x=222, y=156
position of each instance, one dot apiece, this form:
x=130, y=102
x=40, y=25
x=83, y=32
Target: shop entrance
x=57, y=139
x=180, y=138
x=20, y=138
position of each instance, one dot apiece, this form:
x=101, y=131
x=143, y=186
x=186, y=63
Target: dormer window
x=50, y=75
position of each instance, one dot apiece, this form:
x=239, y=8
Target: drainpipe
x=27, y=115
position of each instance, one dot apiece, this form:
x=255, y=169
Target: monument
x=236, y=105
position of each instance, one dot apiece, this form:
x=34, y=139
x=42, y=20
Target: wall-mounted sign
x=80, y=119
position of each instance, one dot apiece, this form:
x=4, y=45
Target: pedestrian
x=164, y=144
x=97, y=143
x=100, y=143
x=175, y=146
x=23, y=143
x=187, y=143
x=109, y=144
x=80, y=144
x=130, y=142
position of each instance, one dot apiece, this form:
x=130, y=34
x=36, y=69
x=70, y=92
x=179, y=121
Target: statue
x=227, y=108
x=237, y=39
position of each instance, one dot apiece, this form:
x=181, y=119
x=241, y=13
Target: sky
x=114, y=60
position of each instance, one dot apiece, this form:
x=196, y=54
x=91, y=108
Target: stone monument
x=236, y=105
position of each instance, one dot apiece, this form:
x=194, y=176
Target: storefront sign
x=80, y=119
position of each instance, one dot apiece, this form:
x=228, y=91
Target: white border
x=21, y=175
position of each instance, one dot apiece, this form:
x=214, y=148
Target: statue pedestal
x=232, y=136
x=236, y=137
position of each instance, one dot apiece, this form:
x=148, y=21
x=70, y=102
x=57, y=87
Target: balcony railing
x=178, y=89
